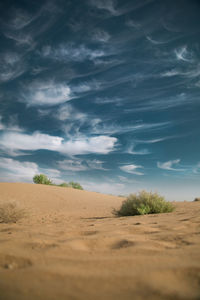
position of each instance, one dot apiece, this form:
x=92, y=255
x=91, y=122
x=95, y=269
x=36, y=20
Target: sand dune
x=70, y=246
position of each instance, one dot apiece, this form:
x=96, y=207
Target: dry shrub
x=10, y=212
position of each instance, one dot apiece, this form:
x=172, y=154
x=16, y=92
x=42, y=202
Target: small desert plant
x=144, y=203
x=41, y=179
x=75, y=185
x=64, y=184
x=10, y=213
x=197, y=199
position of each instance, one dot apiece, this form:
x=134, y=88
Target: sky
x=103, y=92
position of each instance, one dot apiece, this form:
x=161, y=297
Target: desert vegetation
x=197, y=199
x=10, y=212
x=144, y=203
x=43, y=179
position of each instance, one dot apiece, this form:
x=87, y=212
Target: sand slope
x=70, y=246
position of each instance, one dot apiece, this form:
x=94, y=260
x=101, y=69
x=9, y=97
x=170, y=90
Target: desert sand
x=71, y=246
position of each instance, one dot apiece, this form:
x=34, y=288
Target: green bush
x=197, y=199
x=144, y=203
x=42, y=179
x=64, y=184
x=75, y=185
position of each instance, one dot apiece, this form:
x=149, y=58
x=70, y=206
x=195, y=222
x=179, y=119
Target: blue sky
x=103, y=92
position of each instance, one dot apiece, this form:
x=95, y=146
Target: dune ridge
x=70, y=246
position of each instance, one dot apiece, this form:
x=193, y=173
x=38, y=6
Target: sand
x=71, y=246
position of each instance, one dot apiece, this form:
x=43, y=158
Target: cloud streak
x=12, y=66
x=168, y=165
x=78, y=165
x=71, y=52
x=132, y=169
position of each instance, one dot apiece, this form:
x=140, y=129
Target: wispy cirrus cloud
x=72, y=120
x=23, y=27
x=77, y=165
x=48, y=93
x=196, y=169
x=132, y=169
x=131, y=150
x=71, y=52
x=108, y=5
x=164, y=104
x=183, y=54
x=100, y=35
x=168, y=165
x=10, y=125
x=191, y=72
x=113, y=128
x=18, y=141
x=68, y=112
x=113, y=9
x=12, y=66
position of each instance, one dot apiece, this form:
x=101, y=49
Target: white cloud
x=101, y=36
x=167, y=103
x=154, y=41
x=170, y=73
x=108, y=5
x=46, y=93
x=196, y=169
x=75, y=165
x=72, y=165
x=192, y=72
x=183, y=54
x=132, y=169
x=20, y=19
x=20, y=38
x=127, y=180
x=131, y=150
x=11, y=125
x=168, y=165
x=104, y=187
x=17, y=141
x=98, y=144
x=113, y=128
x=11, y=65
x=68, y=112
x=70, y=52
x=14, y=170
x=95, y=164
x=133, y=24
x=155, y=140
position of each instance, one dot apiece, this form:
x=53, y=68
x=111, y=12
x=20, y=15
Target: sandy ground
x=70, y=246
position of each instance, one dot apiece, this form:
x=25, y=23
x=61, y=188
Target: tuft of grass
x=10, y=213
x=144, y=203
x=197, y=199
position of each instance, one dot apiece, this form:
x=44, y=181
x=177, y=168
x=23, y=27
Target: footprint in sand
x=89, y=232
x=12, y=262
x=122, y=244
x=41, y=246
